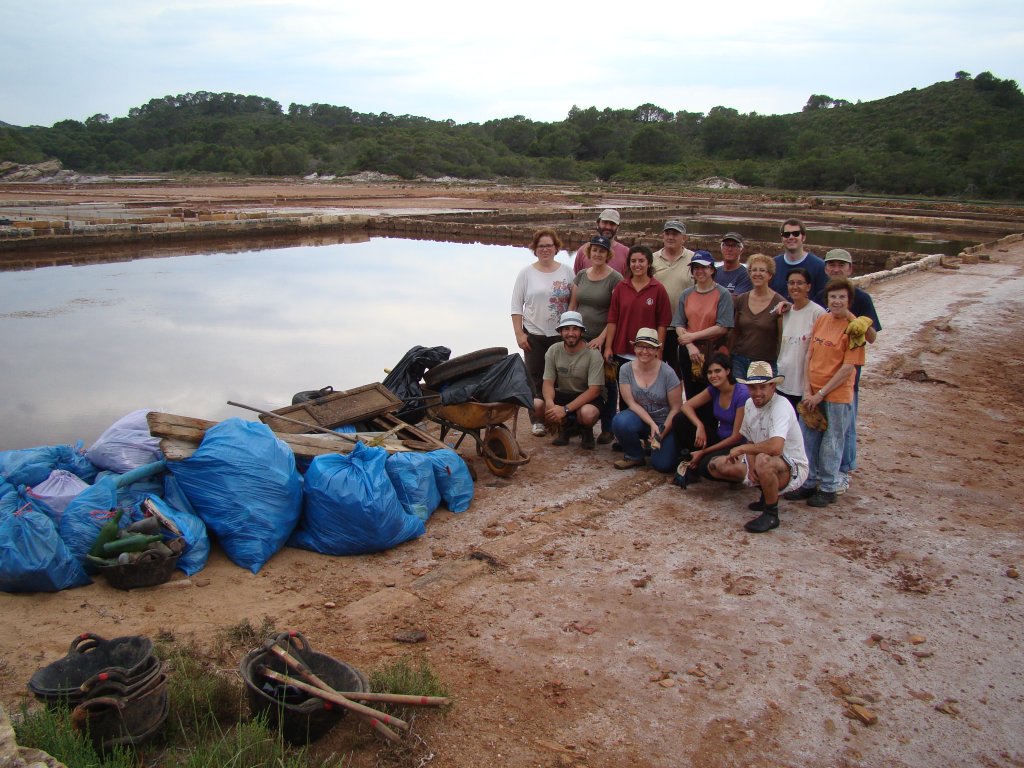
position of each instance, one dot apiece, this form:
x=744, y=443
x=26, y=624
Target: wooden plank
x=181, y=435
x=409, y=432
x=176, y=449
x=172, y=425
x=348, y=407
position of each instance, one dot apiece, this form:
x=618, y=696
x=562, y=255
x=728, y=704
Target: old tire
x=499, y=441
x=464, y=365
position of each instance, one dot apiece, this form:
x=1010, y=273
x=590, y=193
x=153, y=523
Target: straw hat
x=760, y=372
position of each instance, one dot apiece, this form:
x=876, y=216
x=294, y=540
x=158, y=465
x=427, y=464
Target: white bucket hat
x=570, y=319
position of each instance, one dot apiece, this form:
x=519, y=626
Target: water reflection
x=86, y=344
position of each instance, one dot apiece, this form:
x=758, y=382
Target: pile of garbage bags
x=241, y=485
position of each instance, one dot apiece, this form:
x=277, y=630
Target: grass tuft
x=245, y=635
x=50, y=730
x=405, y=676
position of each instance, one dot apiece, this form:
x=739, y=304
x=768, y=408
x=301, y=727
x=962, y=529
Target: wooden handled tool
x=314, y=427
x=387, y=698
x=334, y=697
x=408, y=700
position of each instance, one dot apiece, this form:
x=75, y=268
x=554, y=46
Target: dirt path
x=584, y=616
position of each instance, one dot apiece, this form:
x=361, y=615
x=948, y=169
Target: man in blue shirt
x=793, y=237
x=732, y=275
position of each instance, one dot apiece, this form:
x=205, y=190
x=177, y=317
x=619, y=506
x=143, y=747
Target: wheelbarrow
x=485, y=423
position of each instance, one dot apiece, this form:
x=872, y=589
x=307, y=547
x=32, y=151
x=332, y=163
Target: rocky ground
x=587, y=616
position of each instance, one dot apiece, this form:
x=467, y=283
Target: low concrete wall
x=50, y=234
x=968, y=255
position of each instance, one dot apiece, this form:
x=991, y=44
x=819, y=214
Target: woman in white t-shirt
x=539, y=297
x=797, y=324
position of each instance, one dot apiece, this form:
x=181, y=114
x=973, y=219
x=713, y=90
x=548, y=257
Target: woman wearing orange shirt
x=830, y=369
x=702, y=321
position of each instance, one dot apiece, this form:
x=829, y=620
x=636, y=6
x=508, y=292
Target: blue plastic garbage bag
x=26, y=499
x=86, y=514
x=351, y=507
x=243, y=483
x=453, y=479
x=31, y=466
x=174, y=496
x=92, y=508
x=412, y=475
x=191, y=528
x=33, y=558
x=9, y=501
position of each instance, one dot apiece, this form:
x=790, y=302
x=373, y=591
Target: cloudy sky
x=471, y=61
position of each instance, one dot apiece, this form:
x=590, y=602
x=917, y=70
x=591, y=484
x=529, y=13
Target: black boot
x=563, y=435
x=768, y=520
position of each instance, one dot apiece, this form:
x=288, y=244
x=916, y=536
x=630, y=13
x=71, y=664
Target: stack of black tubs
x=116, y=688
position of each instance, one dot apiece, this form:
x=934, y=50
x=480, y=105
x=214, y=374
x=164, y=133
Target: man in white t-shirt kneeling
x=773, y=457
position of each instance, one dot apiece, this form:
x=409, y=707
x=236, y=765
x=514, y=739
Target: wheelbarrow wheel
x=499, y=442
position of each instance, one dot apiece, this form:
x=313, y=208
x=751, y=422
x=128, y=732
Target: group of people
x=735, y=372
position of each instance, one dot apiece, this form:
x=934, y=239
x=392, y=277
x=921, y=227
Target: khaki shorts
x=797, y=475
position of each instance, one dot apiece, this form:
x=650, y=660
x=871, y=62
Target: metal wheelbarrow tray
x=497, y=443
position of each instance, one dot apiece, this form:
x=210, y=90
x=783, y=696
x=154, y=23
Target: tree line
x=964, y=136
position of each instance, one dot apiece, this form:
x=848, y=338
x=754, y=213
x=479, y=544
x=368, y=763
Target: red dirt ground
x=586, y=616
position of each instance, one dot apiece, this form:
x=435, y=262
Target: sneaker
x=628, y=463
x=762, y=524
x=538, y=429
x=587, y=438
x=757, y=506
x=604, y=438
x=844, y=484
x=822, y=498
x=800, y=494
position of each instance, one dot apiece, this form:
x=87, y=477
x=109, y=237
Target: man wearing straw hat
x=573, y=384
x=773, y=459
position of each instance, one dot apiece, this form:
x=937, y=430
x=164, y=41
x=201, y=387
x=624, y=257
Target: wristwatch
x=567, y=411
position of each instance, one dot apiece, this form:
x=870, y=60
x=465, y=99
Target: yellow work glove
x=812, y=417
x=856, y=331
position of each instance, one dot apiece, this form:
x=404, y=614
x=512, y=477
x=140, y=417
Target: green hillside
x=960, y=137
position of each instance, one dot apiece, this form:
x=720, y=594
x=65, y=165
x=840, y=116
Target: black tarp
x=504, y=382
x=405, y=376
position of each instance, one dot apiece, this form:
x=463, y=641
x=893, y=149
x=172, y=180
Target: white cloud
x=472, y=62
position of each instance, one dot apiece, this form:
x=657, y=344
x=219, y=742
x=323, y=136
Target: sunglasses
x=792, y=234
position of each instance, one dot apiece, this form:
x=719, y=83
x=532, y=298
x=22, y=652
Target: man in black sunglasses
x=794, y=255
